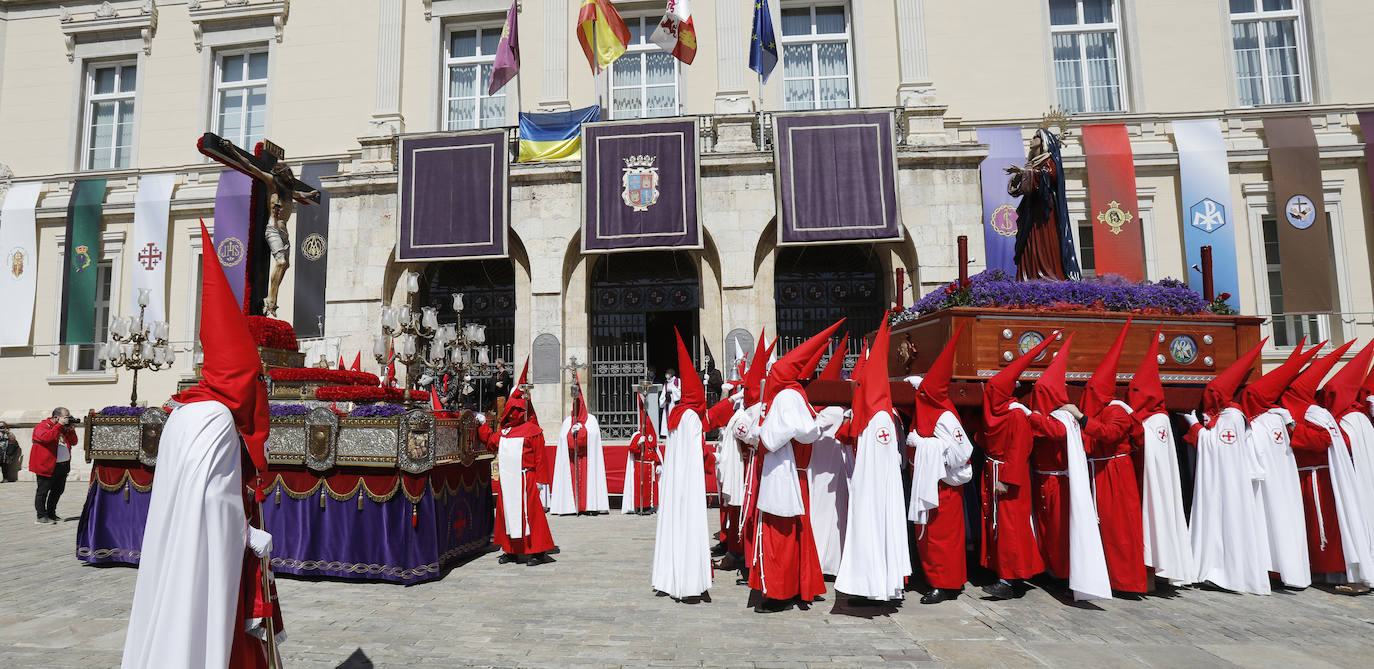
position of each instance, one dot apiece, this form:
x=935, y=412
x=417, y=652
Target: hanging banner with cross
x=151, y=207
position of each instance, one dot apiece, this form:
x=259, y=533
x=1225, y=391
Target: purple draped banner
x=233, y=204
x=1367, y=128
x=454, y=203
x=111, y=527
x=836, y=177
x=999, y=209
x=639, y=186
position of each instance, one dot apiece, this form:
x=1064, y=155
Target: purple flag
x=507, y=63
x=999, y=209
x=233, y=202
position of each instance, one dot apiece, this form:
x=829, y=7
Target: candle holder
x=134, y=345
x=419, y=341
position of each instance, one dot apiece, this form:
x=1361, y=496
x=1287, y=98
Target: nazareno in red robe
x=539, y=539
x=1107, y=438
x=1050, y=499
x=1310, y=444
x=1009, y=545
x=644, y=456
x=788, y=565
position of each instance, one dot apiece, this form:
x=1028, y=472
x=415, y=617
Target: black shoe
x=772, y=605
x=538, y=559
x=1001, y=590
x=938, y=595
x=506, y=558
x=718, y=550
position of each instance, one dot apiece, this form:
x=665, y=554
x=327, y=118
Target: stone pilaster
x=732, y=57
x=554, y=92
x=386, y=113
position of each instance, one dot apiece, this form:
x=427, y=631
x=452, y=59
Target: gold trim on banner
x=126, y=554
x=123, y=479
x=441, y=491
x=377, y=570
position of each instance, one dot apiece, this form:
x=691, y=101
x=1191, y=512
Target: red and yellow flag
x=602, y=33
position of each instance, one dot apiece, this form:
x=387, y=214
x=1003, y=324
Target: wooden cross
x=265, y=156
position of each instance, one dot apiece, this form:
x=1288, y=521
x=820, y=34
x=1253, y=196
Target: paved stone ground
x=594, y=607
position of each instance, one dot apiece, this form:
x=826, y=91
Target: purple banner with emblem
x=454, y=203
x=999, y=208
x=836, y=177
x=233, y=204
x=639, y=186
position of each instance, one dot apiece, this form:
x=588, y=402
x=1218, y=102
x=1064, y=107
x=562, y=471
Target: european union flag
x=763, y=47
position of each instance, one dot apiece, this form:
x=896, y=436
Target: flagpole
x=761, y=106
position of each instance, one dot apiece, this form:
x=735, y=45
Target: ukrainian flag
x=554, y=136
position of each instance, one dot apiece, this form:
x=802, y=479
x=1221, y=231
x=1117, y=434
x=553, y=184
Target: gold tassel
x=278, y=495
x=323, y=494
x=360, y=500
x=127, y=485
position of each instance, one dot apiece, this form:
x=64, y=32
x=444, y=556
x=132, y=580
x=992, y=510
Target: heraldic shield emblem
x=639, y=183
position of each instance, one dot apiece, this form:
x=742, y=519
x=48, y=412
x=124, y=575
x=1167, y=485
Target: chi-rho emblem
x=1115, y=217
x=16, y=258
x=1208, y=215
x=639, y=183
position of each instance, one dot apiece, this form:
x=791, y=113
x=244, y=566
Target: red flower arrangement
x=273, y=333
x=369, y=394
x=333, y=377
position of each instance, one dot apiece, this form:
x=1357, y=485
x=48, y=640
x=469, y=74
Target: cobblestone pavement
x=594, y=607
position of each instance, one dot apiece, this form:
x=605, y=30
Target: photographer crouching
x=51, y=460
x=10, y=456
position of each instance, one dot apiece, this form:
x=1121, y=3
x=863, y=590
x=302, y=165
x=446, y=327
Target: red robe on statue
x=1108, y=442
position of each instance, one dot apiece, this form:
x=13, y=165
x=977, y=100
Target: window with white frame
x=1270, y=49
x=644, y=80
x=1086, y=38
x=108, y=140
x=469, y=56
x=817, y=57
x=241, y=95
x=1288, y=328
x=83, y=356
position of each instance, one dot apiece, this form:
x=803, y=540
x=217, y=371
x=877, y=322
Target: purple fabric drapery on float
x=999, y=208
x=111, y=526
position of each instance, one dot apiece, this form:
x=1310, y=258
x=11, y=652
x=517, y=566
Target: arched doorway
x=815, y=286
x=488, y=288
x=637, y=299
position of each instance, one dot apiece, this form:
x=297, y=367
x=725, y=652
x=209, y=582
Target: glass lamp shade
x=146, y=351
x=482, y=354
x=412, y=282
x=102, y=352
x=162, y=330
x=450, y=332
x=481, y=334
x=171, y=355
x=379, y=346
x=126, y=349
x=429, y=318
x=457, y=301
x=403, y=313
x=145, y=296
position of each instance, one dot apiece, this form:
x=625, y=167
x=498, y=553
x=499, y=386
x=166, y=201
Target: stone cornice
x=209, y=12
x=106, y=20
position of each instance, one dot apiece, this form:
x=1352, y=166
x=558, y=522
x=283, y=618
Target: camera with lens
x=73, y=420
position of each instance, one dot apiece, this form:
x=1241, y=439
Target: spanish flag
x=602, y=33
x=555, y=136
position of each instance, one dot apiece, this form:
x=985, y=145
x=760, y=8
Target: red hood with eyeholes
x=1145, y=394
x=1051, y=390
x=1263, y=394
x=1222, y=389
x=1340, y=394
x=932, y=396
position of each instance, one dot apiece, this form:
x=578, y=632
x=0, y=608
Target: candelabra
x=418, y=340
x=136, y=346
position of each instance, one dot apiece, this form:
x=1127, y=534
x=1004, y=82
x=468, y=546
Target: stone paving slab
x=594, y=608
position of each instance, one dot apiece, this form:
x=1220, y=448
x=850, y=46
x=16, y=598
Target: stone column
x=925, y=122
x=386, y=115
x=732, y=58
x=554, y=93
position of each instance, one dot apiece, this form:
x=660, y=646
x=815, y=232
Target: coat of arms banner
x=454, y=202
x=836, y=177
x=639, y=186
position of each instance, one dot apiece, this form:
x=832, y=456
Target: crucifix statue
x=282, y=190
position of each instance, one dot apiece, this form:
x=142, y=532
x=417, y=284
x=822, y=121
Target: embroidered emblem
x=884, y=437
x=230, y=252
x=1278, y=436
x=639, y=183
x=741, y=431
x=15, y=260
x=1115, y=217
x=313, y=246
x=1183, y=349
x=958, y=435
x=150, y=256
x=1208, y=215
x=1004, y=220
x=1028, y=341
x=82, y=261
x=1228, y=437
x=1163, y=434
x=1300, y=211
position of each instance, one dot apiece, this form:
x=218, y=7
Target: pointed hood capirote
x=809, y=369
x=873, y=393
x=1223, y=388
x=1302, y=392
x=1001, y=388
x=1051, y=390
x=579, y=410
x=932, y=395
x=518, y=407
x=787, y=370
x=1263, y=394
x=834, y=368
x=231, y=373
x=1366, y=389
x=1101, y=388
x=693, y=395
x=753, y=379
x=1340, y=394
x=1145, y=393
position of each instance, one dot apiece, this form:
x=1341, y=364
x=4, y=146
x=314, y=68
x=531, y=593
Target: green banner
x=81, y=261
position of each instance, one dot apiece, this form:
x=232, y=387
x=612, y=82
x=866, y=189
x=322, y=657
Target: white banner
x=151, y=208
x=19, y=280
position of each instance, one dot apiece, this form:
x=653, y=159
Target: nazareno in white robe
x=831, y=465
x=1360, y=430
x=1350, y=500
x=682, y=551
x=1088, y=577
x=1228, y=533
x=1168, y=549
x=561, y=498
x=187, y=591
x=876, y=559
x=1281, y=499
x=730, y=452
x=787, y=419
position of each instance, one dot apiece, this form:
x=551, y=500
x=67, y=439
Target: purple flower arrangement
x=996, y=288
x=377, y=411
x=122, y=410
x=282, y=410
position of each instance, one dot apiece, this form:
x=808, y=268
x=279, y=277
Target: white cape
x=876, y=561
x=1360, y=431
x=1281, y=498
x=1228, y=534
x=510, y=454
x=562, y=500
x=831, y=465
x=730, y=452
x=627, y=494
x=1087, y=563
x=1350, y=508
x=1167, y=546
x=187, y=591
x=787, y=419
x=943, y=456
x=682, y=553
